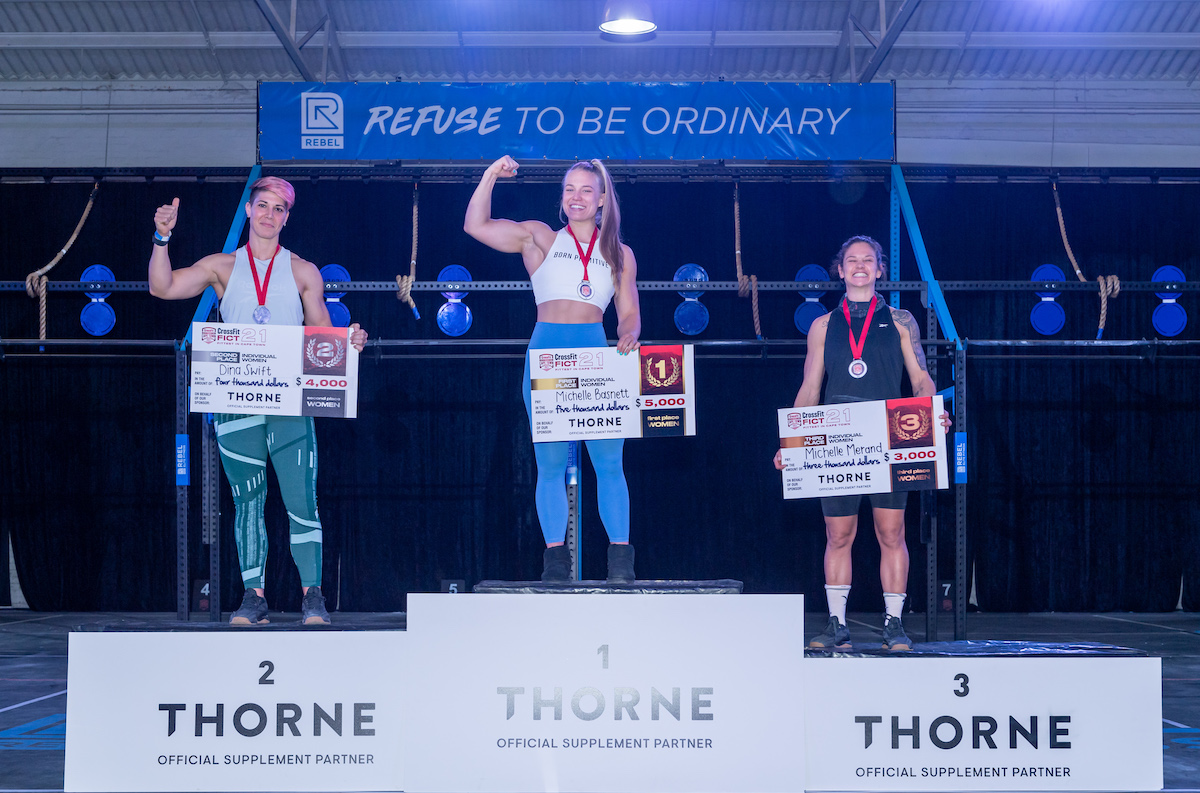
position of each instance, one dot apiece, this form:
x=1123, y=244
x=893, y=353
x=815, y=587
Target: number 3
x=964, y=683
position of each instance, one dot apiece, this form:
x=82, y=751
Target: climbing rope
x=747, y=284
x=35, y=282
x=404, y=283
x=1110, y=285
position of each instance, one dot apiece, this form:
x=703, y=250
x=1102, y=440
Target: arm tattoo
x=906, y=319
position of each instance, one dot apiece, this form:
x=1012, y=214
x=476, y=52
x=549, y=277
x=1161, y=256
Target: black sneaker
x=894, y=637
x=252, y=612
x=556, y=565
x=620, y=564
x=836, y=636
x=313, y=607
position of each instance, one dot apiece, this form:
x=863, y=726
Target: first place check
x=274, y=370
x=595, y=392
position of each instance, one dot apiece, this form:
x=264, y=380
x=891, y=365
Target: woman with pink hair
x=261, y=283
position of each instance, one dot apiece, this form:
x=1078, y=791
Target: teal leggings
x=245, y=443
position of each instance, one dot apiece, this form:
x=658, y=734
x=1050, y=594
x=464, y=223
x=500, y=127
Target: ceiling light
x=627, y=18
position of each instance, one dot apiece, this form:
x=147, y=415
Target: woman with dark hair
x=261, y=283
x=864, y=347
x=575, y=271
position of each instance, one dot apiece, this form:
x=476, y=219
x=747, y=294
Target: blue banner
x=373, y=122
x=183, y=476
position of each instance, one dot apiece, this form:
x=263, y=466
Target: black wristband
x=157, y=241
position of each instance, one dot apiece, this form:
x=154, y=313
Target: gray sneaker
x=313, y=607
x=894, y=637
x=253, y=610
x=835, y=637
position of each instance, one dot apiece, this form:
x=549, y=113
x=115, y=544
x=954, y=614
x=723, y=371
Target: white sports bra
x=560, y=275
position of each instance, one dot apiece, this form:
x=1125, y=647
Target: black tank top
x=881, y=353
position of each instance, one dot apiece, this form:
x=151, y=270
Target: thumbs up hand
x=165, y=217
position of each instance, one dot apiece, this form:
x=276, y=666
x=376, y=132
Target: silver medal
x=262, y=315
x=858, y=368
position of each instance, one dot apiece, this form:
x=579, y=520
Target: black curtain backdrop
x=1081, y=471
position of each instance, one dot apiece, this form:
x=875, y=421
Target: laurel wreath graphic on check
x=670, y=379
x=923, y=425
x=327, y=363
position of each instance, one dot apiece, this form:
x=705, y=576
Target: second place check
x=595, y=392
x=273, y=370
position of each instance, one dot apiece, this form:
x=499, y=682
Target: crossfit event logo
x=322, y=120
x=208, y=335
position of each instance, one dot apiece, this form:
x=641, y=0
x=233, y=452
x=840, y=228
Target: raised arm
x=914, y=353
x=629, y=310
x=183, y=283
x=503, y=235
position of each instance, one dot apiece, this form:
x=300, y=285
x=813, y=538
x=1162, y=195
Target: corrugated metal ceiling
x=522, y=40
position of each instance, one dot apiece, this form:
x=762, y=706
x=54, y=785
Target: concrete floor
x=33, y=671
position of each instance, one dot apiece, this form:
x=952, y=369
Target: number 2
x=266, y=680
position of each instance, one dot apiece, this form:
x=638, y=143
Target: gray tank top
x=283, y=298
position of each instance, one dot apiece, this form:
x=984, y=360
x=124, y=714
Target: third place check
x=863, y=447
x=595, y=392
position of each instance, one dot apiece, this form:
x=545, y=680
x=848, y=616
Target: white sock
x=837, y=597
x=893, y=603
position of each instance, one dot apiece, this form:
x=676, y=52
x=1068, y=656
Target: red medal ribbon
x=856, y=347
x=584, y=257
x=261, y=290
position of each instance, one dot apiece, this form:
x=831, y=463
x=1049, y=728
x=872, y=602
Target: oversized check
x=863, y=447
x=595, y=392
x=276, y=370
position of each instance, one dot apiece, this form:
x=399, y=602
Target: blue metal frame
x=574, y=483
x=209, y=298
x=918, y=243
x=894, y=244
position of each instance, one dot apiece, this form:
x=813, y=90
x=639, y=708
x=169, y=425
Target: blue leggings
x=551, y=494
